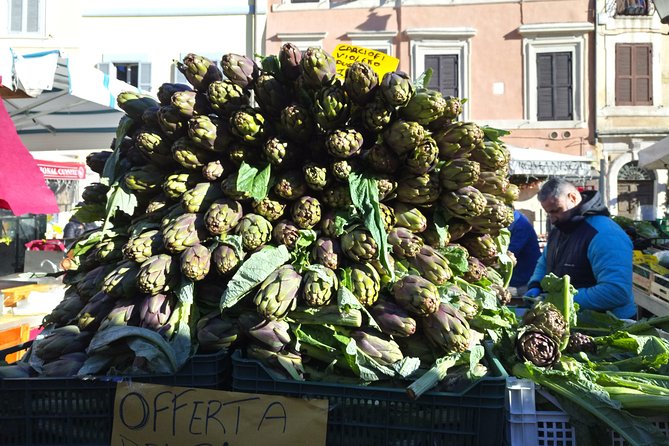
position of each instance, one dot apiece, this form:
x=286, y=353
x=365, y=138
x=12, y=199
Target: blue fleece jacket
x=596, y=254
x=525, y=246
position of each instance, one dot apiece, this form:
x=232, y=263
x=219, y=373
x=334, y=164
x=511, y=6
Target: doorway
x=635, y=192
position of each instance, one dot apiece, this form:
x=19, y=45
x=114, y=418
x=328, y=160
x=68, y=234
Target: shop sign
x=62, y=170
x=345, y=55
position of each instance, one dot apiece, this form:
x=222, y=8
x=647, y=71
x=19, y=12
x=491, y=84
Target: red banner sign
x=59, y=170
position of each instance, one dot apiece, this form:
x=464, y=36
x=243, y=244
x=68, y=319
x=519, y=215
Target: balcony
x=629, y=8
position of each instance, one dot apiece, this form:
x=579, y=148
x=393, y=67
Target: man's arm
x=610, y=256
x=539, y=271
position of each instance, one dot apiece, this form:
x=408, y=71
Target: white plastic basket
x=528, y=426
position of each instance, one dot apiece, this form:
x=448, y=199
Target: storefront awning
x=655, y=156
x=57, y=103
x=539, y=163
x=22, y=186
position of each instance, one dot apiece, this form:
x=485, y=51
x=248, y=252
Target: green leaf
x=90, y=212
x=235, y=242
x=440, y=221
x=119, y=198
x=365, y=197
x=423, y=80
x=252, y=272
x=255, y=182
x=494, y=134
x=83, y=246
x=347, y=300
x=487, y=298
x=111, y=173
x=301, y=255
x=553, y=286
x=457, y=258
x=185, y=291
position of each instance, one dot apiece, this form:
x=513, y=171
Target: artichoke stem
x=566, y=310
x=432, y=377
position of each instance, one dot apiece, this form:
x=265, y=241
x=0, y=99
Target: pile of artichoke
x=309, y=218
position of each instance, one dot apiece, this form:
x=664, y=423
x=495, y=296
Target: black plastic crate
x=375, y=416
x=75, y=411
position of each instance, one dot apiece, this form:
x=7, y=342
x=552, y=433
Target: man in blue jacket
x=589, y=246
x=525, y=247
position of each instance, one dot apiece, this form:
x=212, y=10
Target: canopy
x=22, y=186
x=536, y=162
x=655, y=156
x=57, y=103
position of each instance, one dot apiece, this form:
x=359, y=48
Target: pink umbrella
x=22, y=186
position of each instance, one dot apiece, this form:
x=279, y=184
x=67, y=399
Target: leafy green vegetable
x=252, y=272
x=365, y=198
x=254, y=181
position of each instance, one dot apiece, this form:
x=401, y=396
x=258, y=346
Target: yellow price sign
x=346, y=55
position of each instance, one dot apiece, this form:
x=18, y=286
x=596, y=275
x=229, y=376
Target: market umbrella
x=655, y=156
x=22, y=186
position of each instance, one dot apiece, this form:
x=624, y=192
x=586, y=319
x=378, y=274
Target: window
x=25, y=16
x=137, y=74
x=634, y=69
x=447, y=51
x=554, y=59
x=632, y=7
x=444, y=74
x=554, y=87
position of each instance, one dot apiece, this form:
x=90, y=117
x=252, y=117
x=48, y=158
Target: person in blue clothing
x=586, y=244
x=524, y=245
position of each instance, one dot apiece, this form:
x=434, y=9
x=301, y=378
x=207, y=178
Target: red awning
x=22, y=186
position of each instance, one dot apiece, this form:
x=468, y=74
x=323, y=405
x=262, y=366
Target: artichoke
x=376, y=114
x=546, y=317
x=409, y=217
x=343, y=143
x=421, y=189
x=225, y=259
x=183, y=231
x=466, y=202
x=403, y=136
x=209, y=133
x=290, y=185
x=273, y=335
x=459, y=172
x=195, y=262
x=225, y=97
x=166, y=90
x=177, y=184
x=393, y=319
x=317, y=67
x=158, y=274
x=359, y=245
x=286, y=233
x=417, y=295
x=277, y=294
x=541, y=349
x=458, y=140
x=382, y=349
x=432, y=265
x=155, y=311
x=381, y=159
x=199, y=71
x=214, y=170
x=315, y=176
x=360, y=82
x=365, y=283
x=424, y=107
x=331, y=108
x=326, y=252
x=447, y=329
x=122, y=280
x=199, y=198
x=491, y=155
x=296, y=123
x=248, y=124
x=405, y=243
x=271, y=94
x=143, y=179
x=290, y=57
x=397, y=88
x=241, y=70
x=306, y=212
x=319, y=286
x=216, y=332
x=271, y=209
x=423, y=158
x=222, y=216
x=255, y=231
x=188, y=155
x=579, y=342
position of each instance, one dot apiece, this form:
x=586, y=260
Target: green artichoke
x=327, y=252
x=376, y=114
x=432, y=265
x=176, y=184
x=447, y=329
x=547, y=318
x=397, y=88
x=296, y=123
x=424, y=107
x=317, y=67
x=331, y=108
x=248, y=124
x=225, y=97
x=195, y=262
x=290, y=185
x=359, y=245
x=319, y=287
x=404, y=243
x=466, y=202
x=306, y=212
x=199, y=71
x=459, y=172
x=222, y=216
x=158, y=274
x=271, y=94
x=216, y=332
x=403, y=136
x=225, y=259
x=277, y=294
x=189, y=156
x=382, y=349
x=360, y=82
x=316, y=176
x=417, y=295
x=241, y=70
x=409, y=217
x=423, y=158
x=255, y=231
x=182, y=232
x=199, y=198
x=269, y=208
x=344, y=143
x=458, y=140
x=144, y=179
x=393, y=319
x=122, y=280
x=365, y=283
x=421, y=189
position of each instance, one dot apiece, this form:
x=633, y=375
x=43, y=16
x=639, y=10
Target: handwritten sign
x=345, y=55
x=154, y=415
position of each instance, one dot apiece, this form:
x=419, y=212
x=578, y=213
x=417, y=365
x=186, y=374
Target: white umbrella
x=57, y=103
x=655, y=156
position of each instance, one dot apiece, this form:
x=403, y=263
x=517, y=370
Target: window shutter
x=544, y=87
x=444, y=73
x=554, y=87
x=623, y=74
x=16, y=20
x=104, y=67
x=563, y=87
x=643, y=68
x=145, y=76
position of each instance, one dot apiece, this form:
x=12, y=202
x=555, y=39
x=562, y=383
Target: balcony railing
x=633, y=7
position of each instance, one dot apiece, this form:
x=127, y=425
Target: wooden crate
x=642, y=277
x=659, y=287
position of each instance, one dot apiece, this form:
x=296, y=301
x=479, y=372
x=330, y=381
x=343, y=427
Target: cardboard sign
x=152, y=415
x=345, y=55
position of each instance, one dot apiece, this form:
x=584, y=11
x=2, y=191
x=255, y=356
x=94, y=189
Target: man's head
x=557, y=196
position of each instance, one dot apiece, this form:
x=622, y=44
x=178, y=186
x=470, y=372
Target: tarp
x=536, y=162
x=655, y=156
x=22, y=186
x=57, y=103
